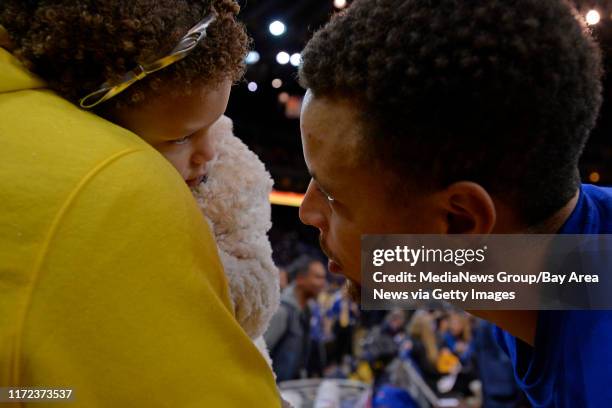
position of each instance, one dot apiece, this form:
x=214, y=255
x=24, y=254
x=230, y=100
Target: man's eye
x=327, y=196
x=182, y=141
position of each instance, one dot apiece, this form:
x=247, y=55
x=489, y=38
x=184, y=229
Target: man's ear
x=470, y=209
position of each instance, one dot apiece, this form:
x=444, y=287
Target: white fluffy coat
x=235, y=200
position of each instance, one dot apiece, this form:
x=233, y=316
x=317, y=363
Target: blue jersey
x=571, y=362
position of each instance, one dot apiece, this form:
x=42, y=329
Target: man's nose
x=314, y=207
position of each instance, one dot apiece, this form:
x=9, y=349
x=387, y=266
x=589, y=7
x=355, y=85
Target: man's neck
x=508, y=221
x=522, y=323
x=553, y=224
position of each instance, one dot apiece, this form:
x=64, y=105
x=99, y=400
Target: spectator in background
x=394, y=324
x=457, y=335
x=342, y=316
x=283, y=278
x=317, y=356
x=457, y=339
x=437, y=362
x=288, y=336
x=425, y=352
x=380, y=349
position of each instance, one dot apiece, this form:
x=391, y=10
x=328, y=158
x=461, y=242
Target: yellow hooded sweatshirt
x=110, y=283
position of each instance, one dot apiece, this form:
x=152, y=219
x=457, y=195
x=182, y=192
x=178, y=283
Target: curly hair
x=503, y=93
x=77, y=45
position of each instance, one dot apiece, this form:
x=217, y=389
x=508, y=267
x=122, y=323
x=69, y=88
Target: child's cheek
x=178, y=157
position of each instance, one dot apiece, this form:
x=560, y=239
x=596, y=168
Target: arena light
x=283, y=97
x=593, y=17
x=277, y=28
x=594, y=177
x=296, y=59
x=277, y=83
x=252, y=86
x=339, y=4
x=284, y=198
x=282, y=58
x=252, y=57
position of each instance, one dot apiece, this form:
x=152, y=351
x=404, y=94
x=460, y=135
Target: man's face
x=181, y=127
x=346, y=196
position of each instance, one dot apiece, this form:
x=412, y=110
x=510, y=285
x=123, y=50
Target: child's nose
x=204, y=151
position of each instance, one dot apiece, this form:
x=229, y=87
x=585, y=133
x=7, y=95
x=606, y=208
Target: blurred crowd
x=319, y=332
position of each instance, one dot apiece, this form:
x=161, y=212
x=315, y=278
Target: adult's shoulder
x=51, y=149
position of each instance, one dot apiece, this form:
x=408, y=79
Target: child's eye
x=182, y=141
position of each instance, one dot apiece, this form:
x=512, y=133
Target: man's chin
x=354, y=290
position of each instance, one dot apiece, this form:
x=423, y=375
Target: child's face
x=178, y=127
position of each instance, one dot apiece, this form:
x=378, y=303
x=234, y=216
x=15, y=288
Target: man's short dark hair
x=503, y=93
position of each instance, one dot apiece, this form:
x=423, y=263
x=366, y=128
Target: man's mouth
x=332, y=265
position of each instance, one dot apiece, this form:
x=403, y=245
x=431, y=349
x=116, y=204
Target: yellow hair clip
x=182, y=49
